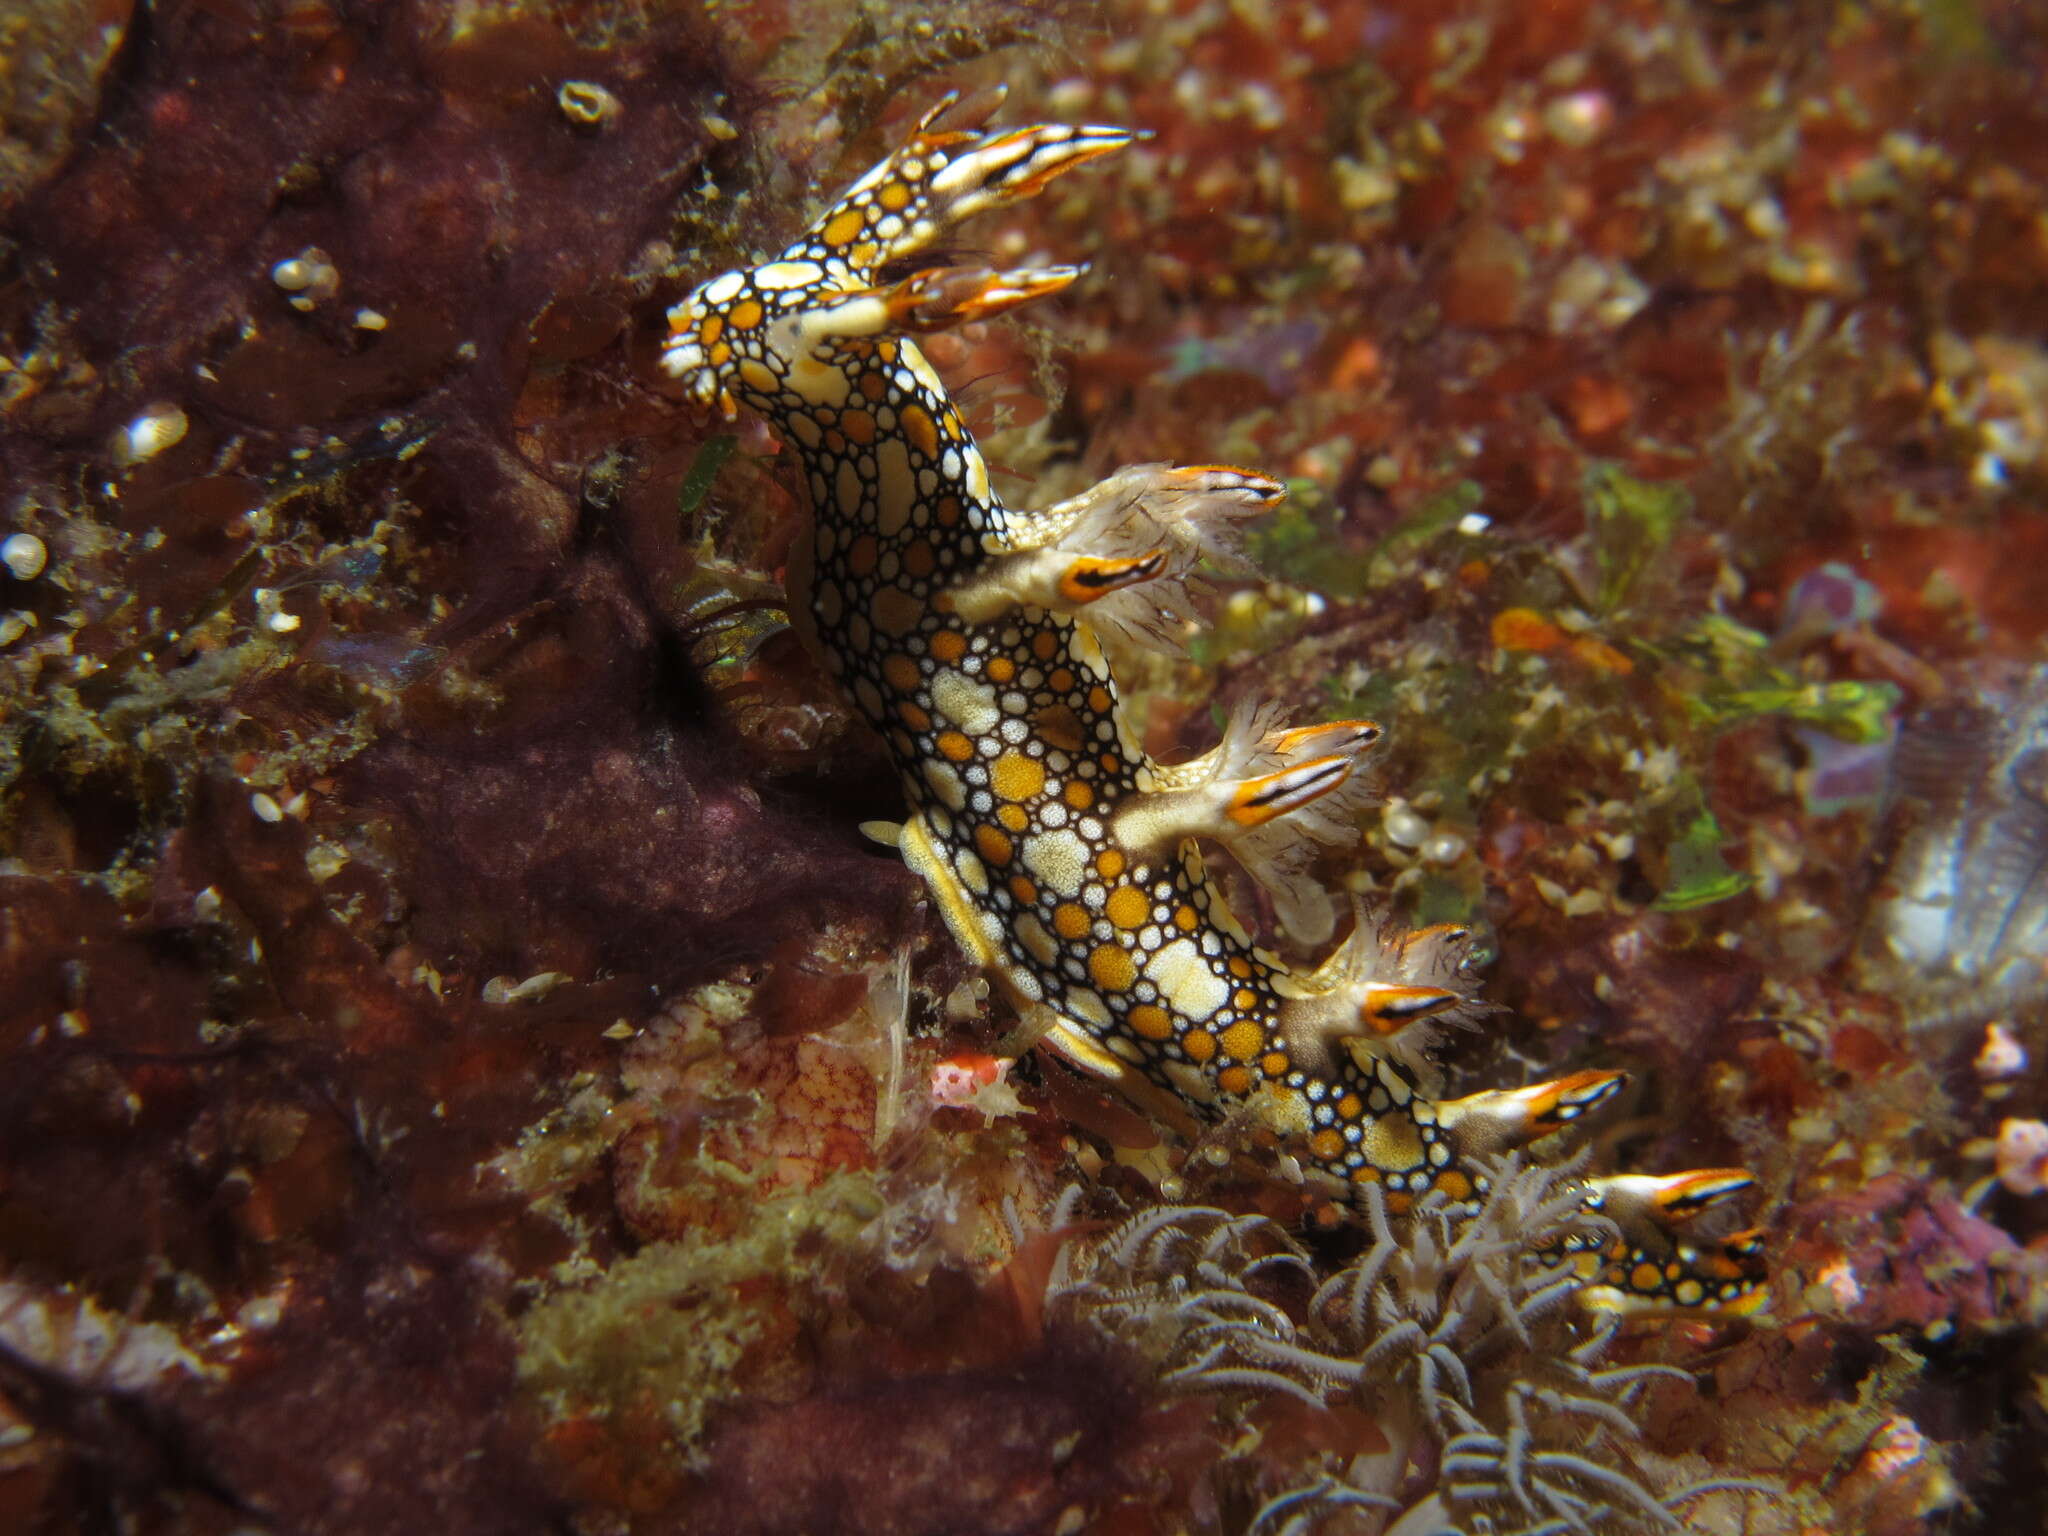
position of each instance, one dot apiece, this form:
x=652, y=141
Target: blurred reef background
x=461, y=1067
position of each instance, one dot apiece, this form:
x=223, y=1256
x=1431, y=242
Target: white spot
x=779, y=275
x=1031, y=933
x=1058, y=860
x=1088, y=1007
x=1185, y=981
x=973, y=874
x=968, y=704
x=894, y=485
x=721, y=289
x=945, y=783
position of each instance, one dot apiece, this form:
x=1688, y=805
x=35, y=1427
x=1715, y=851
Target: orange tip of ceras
x=1512, y=1116
x=1089, y=578
x=1344, y=736
x=1390, y=1008
x=1258, y=801
x=1227, y=477
x=1680, y=1196
x=1563, y=1100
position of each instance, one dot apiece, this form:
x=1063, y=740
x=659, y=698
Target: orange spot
x=861, y=554
x=1600, y=655
x=720, y=355
x=1127, y=907
x=1349, y=1106
x=1365, y=1173
x=844, y=227
x=900, y=672
x=1001, y=669
x=956, y=746
x=1151, y=1021
x=1235, y=1080
x=886, y=351
x=859, y=426
x=1061, y=679
x=896, y=611
x=1070, y=920
x=917, y=425
x=1245, y=999
x=919, y=559
x=1098, y=699
x=1274, y=1064
x=1109, y=863
x=1017, y=777
x=711, y=330
x=949, y=645
x=1472, y=574
x=1597, y=406
x=1023, y=889
x=1356, y=364
x=894, y=196
x=913, y=717
x=949, y=511
x=1398, y=1201
x=1645, y=1277
x=1044, y=643
x=1524, y=629
x=1013, y=817
x=745, y=316
x=873, y=385
x=1112, y=967
x=1243, y=1040
x=1185, y=918
x=1327, y=1145
x=1240, y=967
x=1110, y=761
x=1199, y=1044
x=1078, y=795
x=1454, y=1184
x=994, y=844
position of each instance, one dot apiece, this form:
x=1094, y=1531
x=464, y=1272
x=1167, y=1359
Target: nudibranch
x=970, y=634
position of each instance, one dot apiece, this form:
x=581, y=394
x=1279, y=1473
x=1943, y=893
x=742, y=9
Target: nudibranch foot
x=970, y=634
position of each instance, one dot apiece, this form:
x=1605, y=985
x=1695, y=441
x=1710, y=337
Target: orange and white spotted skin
x=966, y=631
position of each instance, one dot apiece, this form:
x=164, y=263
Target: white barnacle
x=24, y=556
x=157, y=426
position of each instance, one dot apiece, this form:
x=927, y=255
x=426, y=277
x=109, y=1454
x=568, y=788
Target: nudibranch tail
x=970, y=635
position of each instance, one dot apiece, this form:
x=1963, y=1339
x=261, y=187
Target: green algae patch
x=1699, y=875
x=1632, y=522
x=682, y=1326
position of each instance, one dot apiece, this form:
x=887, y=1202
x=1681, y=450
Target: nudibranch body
x=1062, y=857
